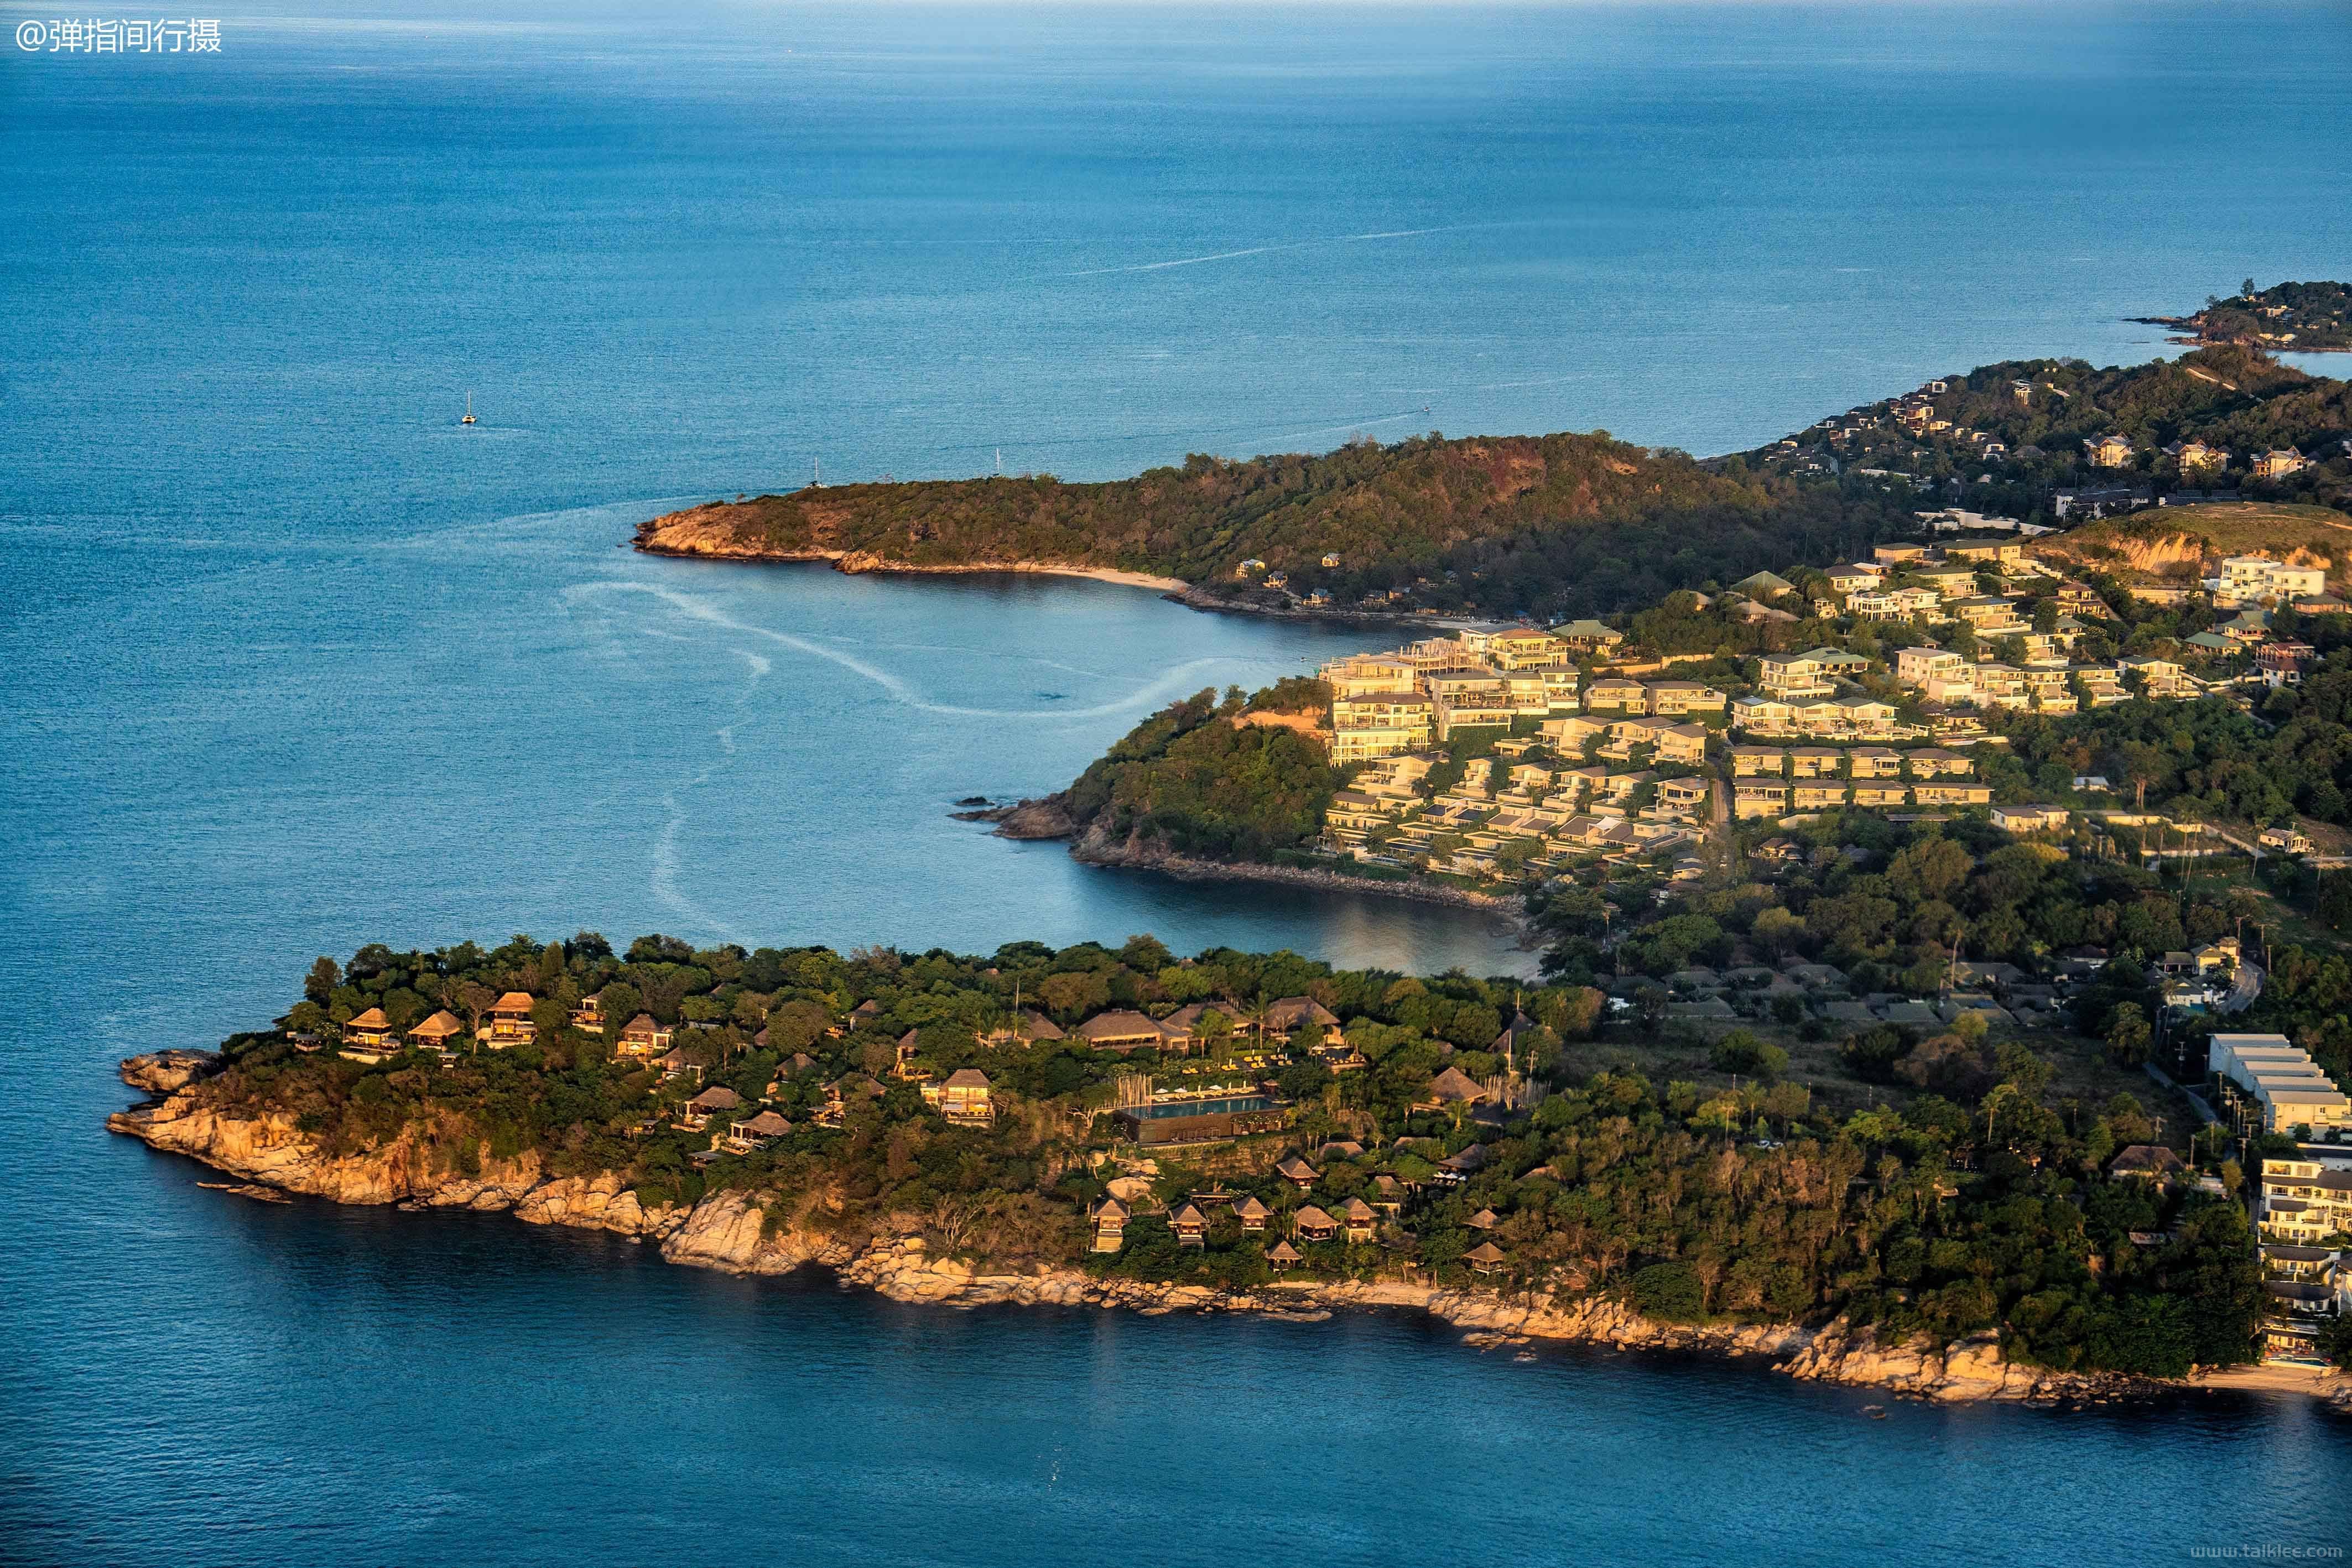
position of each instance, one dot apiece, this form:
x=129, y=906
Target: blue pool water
x=289, y=661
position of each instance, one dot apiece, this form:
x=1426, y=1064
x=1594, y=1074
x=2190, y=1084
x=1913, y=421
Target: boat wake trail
x=1271, y=249
x=1174, y=682
x=664, y=880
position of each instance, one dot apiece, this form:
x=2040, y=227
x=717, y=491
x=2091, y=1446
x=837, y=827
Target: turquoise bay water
x=288, y=662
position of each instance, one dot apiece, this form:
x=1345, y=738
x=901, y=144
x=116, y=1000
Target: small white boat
x=469, y=410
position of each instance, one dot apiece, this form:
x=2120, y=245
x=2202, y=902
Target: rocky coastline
x=733, y=1232
x=1095, y=848
x=1049, y=817
x=708, y=532
x=2190, y=333
x=712, y=532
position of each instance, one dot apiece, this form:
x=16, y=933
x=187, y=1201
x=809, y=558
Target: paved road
x=2242, y=993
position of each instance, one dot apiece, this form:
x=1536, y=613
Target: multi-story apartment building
x=1667, y=741
x=1368, y=674
x=1993, y=615
x=2306, y=1198
x=1939, y=675
x=1759, y=797
x=1524, y=650
x=1894, y=605
x=1934, y=762
x=1614, y=693
x=2100, y=685
x=1808, y=674
x=1952, y=580
x=1951, y=794
x=2158, y=677
x=1815, y=762
x=2279, y=462
x=1676, y=699
x=2049, y=688
x=1380, y=725
x=1473, y=708
x=2245, y=579
x=2272, y=1085
x=2001, y=685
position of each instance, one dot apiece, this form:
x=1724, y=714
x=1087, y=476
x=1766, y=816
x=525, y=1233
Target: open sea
x=290, y=662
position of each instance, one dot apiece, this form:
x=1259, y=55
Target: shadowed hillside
x=1522, y=523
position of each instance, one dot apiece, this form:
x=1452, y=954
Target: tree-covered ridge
x=1412, y=500
x=1548, y=524
x=1552, y=526
x=2230, y=397
x=1197, y=778
x=2006, y=439
x=1698, y=1196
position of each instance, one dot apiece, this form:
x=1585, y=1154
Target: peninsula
x=1259, y=1132
x=2303, y=318
x=1559, y=527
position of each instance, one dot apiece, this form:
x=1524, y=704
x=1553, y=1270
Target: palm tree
x=1252, y=1013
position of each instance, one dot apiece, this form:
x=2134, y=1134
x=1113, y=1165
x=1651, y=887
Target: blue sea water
x=289, y=661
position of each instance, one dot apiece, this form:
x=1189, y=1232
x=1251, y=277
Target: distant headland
x=1553, y=527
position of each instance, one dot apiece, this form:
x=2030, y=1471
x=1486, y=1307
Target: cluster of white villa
x=1503, y=818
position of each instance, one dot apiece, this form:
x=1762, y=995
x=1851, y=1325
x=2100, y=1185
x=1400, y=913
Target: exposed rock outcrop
x=168, y=1071
x=270, y=1149
x=1045, y=818
x=731, y=530
x=1967, y=1369
x=730, y=1231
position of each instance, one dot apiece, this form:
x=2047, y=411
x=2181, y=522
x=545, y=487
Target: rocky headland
x=722, y=530
x=736, y=1232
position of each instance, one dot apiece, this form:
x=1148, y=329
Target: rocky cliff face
x=734, y=530
x=727, y=1230
x=270, y=1148
x=1971, y=1368
x=732, y=1231
x=167, y=1071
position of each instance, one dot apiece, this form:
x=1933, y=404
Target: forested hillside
x=1197, y=780
x=1504, y=525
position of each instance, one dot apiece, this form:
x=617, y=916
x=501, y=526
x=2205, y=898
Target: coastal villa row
x=369, y=1037
x=1228, y=1094
x=1537, y=817
x=2267, y=1084
x=1383, y=704
x=1430, y=691
x=1356, y=1220
x=1754, y=798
